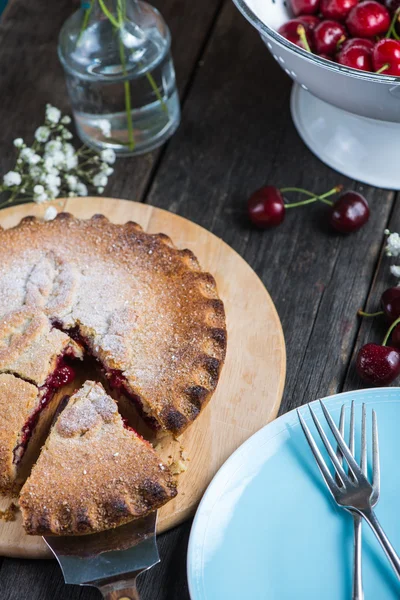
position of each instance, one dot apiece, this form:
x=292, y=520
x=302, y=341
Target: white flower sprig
x=392, y=249
x=51, y=168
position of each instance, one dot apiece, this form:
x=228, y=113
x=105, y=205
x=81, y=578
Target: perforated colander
x=341, y=113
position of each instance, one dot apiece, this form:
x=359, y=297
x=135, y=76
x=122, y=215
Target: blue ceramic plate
x=267, y=527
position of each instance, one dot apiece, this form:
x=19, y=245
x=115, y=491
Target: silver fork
x=358, y=593
x=355, y=491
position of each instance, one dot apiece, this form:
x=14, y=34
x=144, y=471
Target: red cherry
x=378, y=365
x=349, y=212
x=304, y=7
x=390, y=302
x=387, y=53
x=266, y=207
x=310, y=20
x=337, y=9
x=289, y=30
x=64, y=374
x=327, y=35
x=356, y=53
x=368, y=19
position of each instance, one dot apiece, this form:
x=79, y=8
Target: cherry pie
x=143, y=309
x=93, y=473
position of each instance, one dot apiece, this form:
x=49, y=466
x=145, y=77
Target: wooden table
x=236, y=135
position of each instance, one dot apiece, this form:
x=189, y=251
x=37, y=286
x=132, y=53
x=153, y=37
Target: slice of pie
x=143, y=308
x=94, y=472
x=35, y=361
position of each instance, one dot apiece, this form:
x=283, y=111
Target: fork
x=354, y=491
x=358, y=593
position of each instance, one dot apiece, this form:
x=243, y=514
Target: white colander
x=350, y=119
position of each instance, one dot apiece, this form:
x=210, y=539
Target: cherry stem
x=383, y=69
x=340, y=42
x=392, y=28
x=387, y=336
x=361, y=313
x=313, y=197
x=301, y=32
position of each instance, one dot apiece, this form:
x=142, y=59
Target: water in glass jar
x=131, y=104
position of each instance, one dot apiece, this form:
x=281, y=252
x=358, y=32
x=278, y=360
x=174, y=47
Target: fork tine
x=342, y=422
x=342, y=444
x=363, y=460
x=376, y=471
x=351, y=434
x=336, y=463
x=318, y=457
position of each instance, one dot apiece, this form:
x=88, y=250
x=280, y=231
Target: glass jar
x=120, y=75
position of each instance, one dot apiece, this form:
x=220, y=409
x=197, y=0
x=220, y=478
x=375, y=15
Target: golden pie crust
x=145, y=309
x=93, y=473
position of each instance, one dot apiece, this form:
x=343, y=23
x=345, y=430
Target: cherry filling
x=63, y=373
x=117, y=381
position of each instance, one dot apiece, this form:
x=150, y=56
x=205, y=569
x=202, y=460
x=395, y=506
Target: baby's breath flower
x=108, y=156
x=393, y=245
x=105, y=127
x=58, y=157
x=50, y=214
x=53, y=146
x=26, y=154
x=35, y=173
x=81, y=189
x=52, y=167
x=100, y=180
x=71, y=162
x=72, y=181
x=38, y=189
x=106, y=169
x=395, y=270
x=53, y=114
x=12, y=178
x=42, y=134
x=66, y=135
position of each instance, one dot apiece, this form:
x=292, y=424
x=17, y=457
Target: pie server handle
x=120, y=590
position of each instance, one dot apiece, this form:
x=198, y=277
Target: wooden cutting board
x=251, y=385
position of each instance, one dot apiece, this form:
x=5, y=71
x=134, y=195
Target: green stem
x=313, y=197
x=108, y=14
x=128, y=103
x=155, y=89
x=85, y=21
x=387, y=336
x=361, y=313
x=301, y=32
x=383, y=69
x=392, y=27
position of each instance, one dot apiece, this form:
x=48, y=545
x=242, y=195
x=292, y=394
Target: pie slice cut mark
x=93, y=473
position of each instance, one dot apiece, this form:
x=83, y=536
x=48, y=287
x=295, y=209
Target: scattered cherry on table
x=378, y=365
x=266, y=207
x=350, y=212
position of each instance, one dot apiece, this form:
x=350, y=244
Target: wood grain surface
x=236, y=135
x=251, y=384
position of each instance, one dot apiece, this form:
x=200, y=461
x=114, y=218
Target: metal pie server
x=111, y=560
